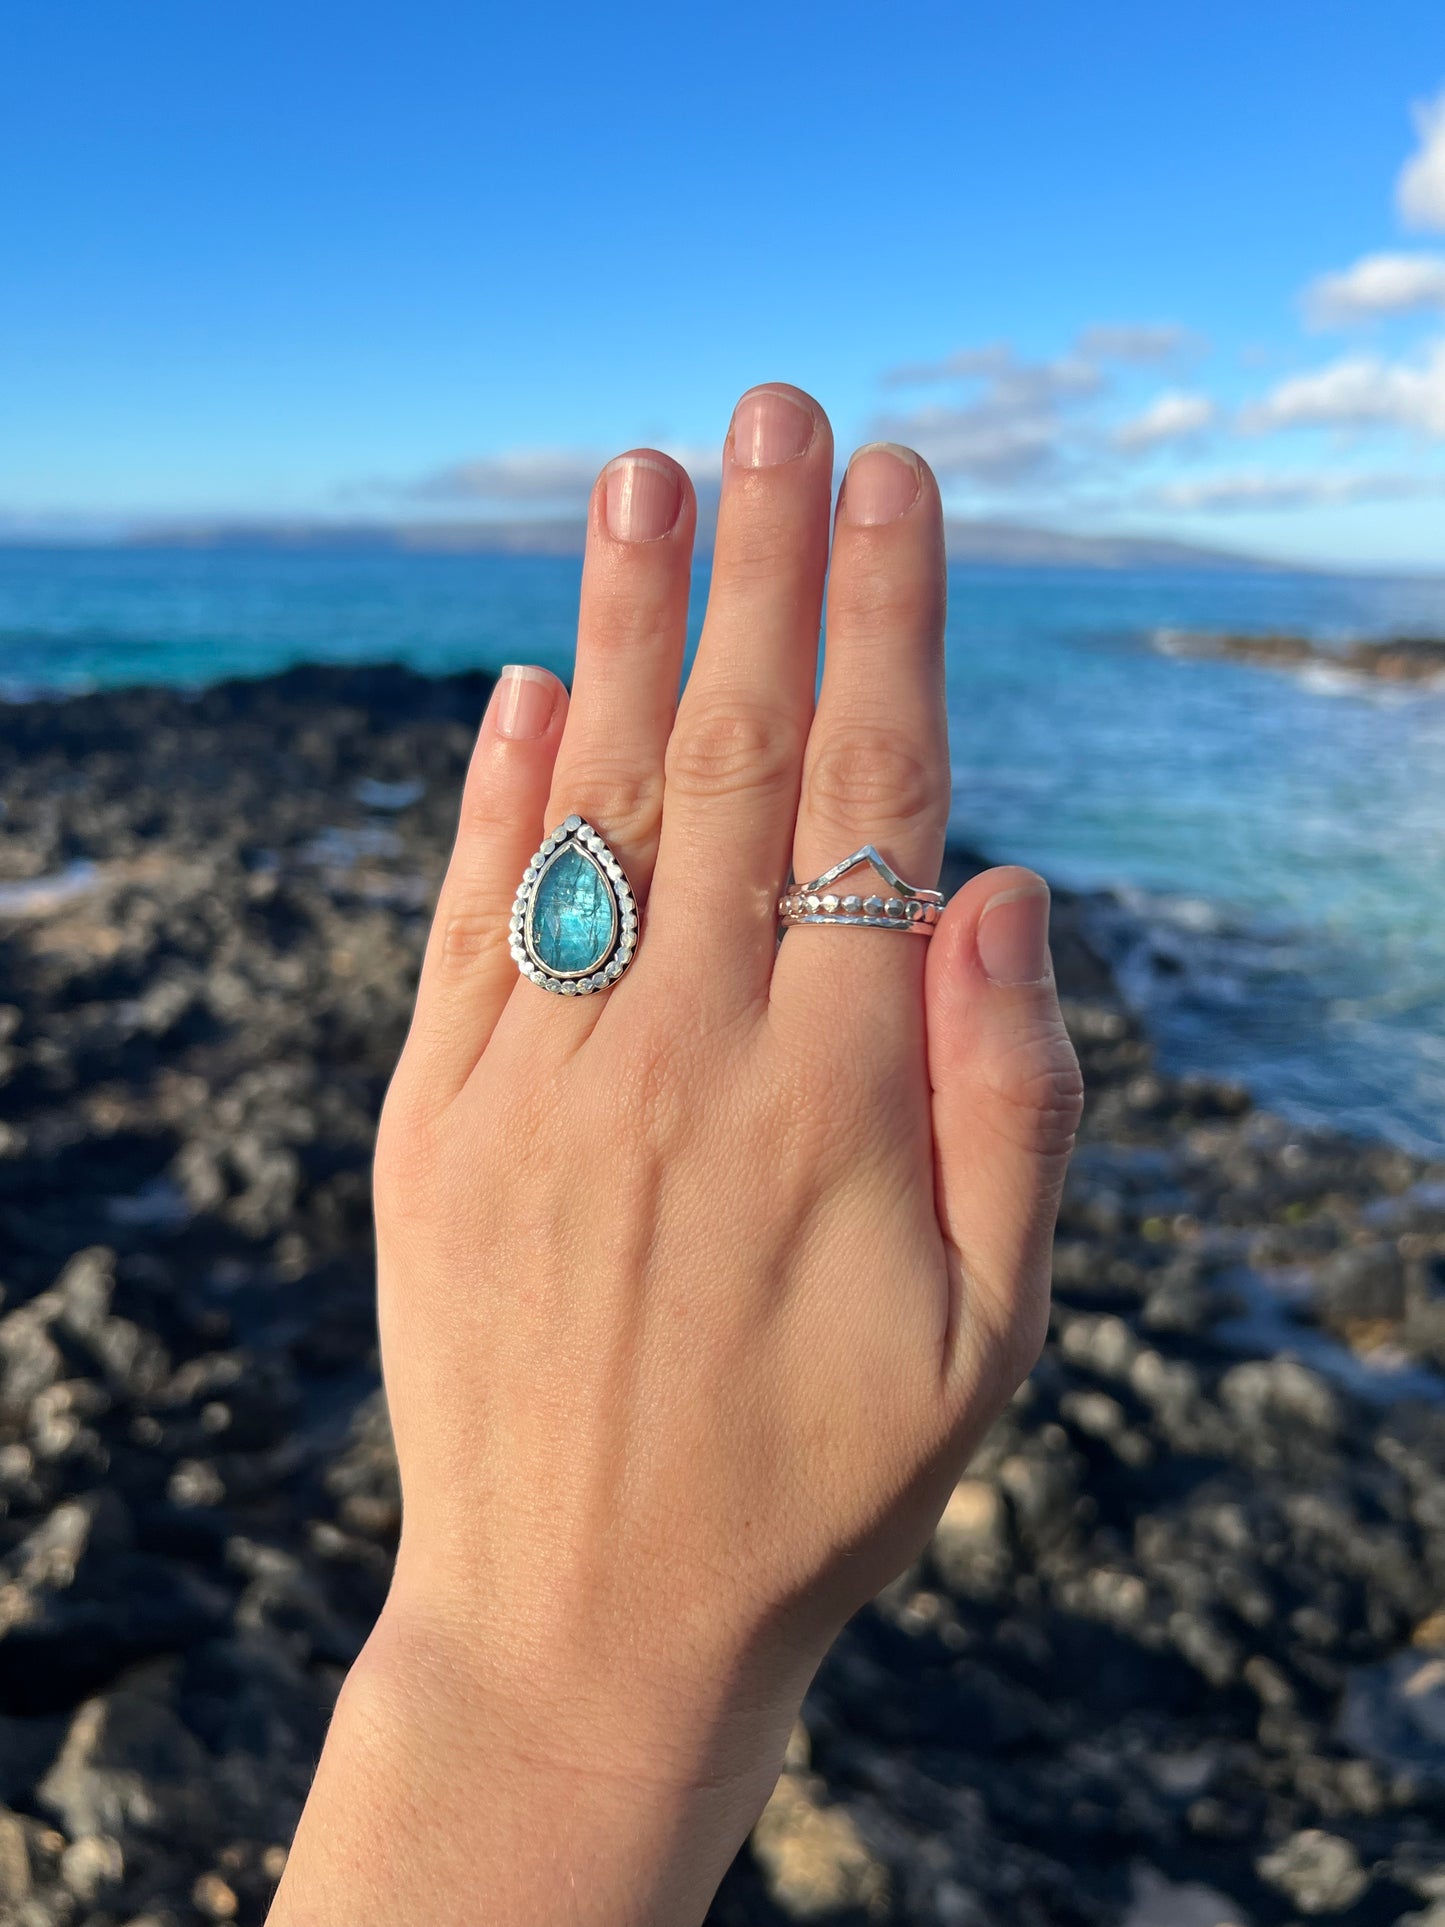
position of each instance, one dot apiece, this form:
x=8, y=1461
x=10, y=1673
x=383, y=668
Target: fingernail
x=1013, y=936
x=768, y=428
x=882, y=483
x=643, y=499
x=523, y=701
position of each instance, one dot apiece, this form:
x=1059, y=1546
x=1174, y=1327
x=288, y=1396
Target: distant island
x=977, y=541
x=1400, y=659
x=983, y=543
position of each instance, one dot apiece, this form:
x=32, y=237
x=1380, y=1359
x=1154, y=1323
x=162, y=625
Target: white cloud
x=1421, y=189
x=1079, y=371
x=1134, y=342
x=1174, y=416
x=1009, y=427
x=556, y=477
x=965, y=364
x=1283, y=489
x=519, y=475
x=1360, y=391
x=981, y=443
x=998, y=366
x=1377, y=285
x=1017, y=423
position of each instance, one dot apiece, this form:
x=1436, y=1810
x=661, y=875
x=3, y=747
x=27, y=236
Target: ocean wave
x=1167, y=950
x=1297, y=1016
x=1322, y=679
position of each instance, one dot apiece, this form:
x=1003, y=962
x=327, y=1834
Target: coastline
x=1411, y=662
x=1174, y=1625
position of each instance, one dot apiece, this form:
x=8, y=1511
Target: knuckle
x=876, y=602
x=870, y=775
x=486, y=838
x=759, y=557
x=618, y=794
x=488, y=807
x=1040, y=1092
x=731, y=749
x=467, y=938
x=760, y=543
x=486, y=816
x=630, y=605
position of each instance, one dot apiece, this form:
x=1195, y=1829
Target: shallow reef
x=1391, y=659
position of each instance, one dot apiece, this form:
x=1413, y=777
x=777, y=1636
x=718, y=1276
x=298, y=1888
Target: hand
x=695, y=1293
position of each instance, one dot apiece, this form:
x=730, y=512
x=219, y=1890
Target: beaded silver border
x=622, y=946
x=908, y=908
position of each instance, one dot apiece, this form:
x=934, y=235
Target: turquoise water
x=1275, y=843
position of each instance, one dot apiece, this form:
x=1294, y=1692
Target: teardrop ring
x=574, y=920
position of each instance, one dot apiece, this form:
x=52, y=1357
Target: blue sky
x=1127, y=266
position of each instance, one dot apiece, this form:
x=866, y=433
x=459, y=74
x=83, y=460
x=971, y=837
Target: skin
x=695, y=1294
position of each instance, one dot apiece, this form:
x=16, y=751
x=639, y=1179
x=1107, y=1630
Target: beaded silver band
x=907, y=907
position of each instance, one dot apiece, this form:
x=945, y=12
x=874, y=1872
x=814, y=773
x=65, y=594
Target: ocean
x=1269, y=848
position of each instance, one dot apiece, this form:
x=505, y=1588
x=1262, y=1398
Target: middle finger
x=735, y=758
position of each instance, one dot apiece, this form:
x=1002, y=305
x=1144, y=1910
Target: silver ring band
x=907, y=907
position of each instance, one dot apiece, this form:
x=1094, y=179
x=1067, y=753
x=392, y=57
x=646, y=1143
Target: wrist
x=526, y=1786
x=583, y=1704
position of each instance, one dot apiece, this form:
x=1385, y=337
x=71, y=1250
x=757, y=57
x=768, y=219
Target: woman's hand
x=695, y=1293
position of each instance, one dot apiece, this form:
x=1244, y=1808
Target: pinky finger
x=468, y=973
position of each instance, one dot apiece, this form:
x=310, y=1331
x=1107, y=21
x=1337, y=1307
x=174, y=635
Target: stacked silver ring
x=907, y=908
x=915, y=913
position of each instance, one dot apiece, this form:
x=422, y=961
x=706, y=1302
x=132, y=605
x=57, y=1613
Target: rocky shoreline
x=1417, y=660
x=1176, y=1656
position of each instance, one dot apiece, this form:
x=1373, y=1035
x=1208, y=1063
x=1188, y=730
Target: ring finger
x=876, y=766
x=632, y=626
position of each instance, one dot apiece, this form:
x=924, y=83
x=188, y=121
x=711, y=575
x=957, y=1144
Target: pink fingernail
x=643, y=499
x=1013, y=936
x=883, y=482
x=768, y=428
x=523, y=702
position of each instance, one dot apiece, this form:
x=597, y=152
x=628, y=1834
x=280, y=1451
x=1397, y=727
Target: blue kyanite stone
x=574, y=917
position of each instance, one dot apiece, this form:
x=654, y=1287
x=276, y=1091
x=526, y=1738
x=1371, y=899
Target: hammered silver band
x=907, y=907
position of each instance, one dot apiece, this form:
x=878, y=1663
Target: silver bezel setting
x=907, y=907
x=626, y=919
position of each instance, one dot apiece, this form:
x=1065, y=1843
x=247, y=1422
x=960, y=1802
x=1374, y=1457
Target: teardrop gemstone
x=573, y=919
